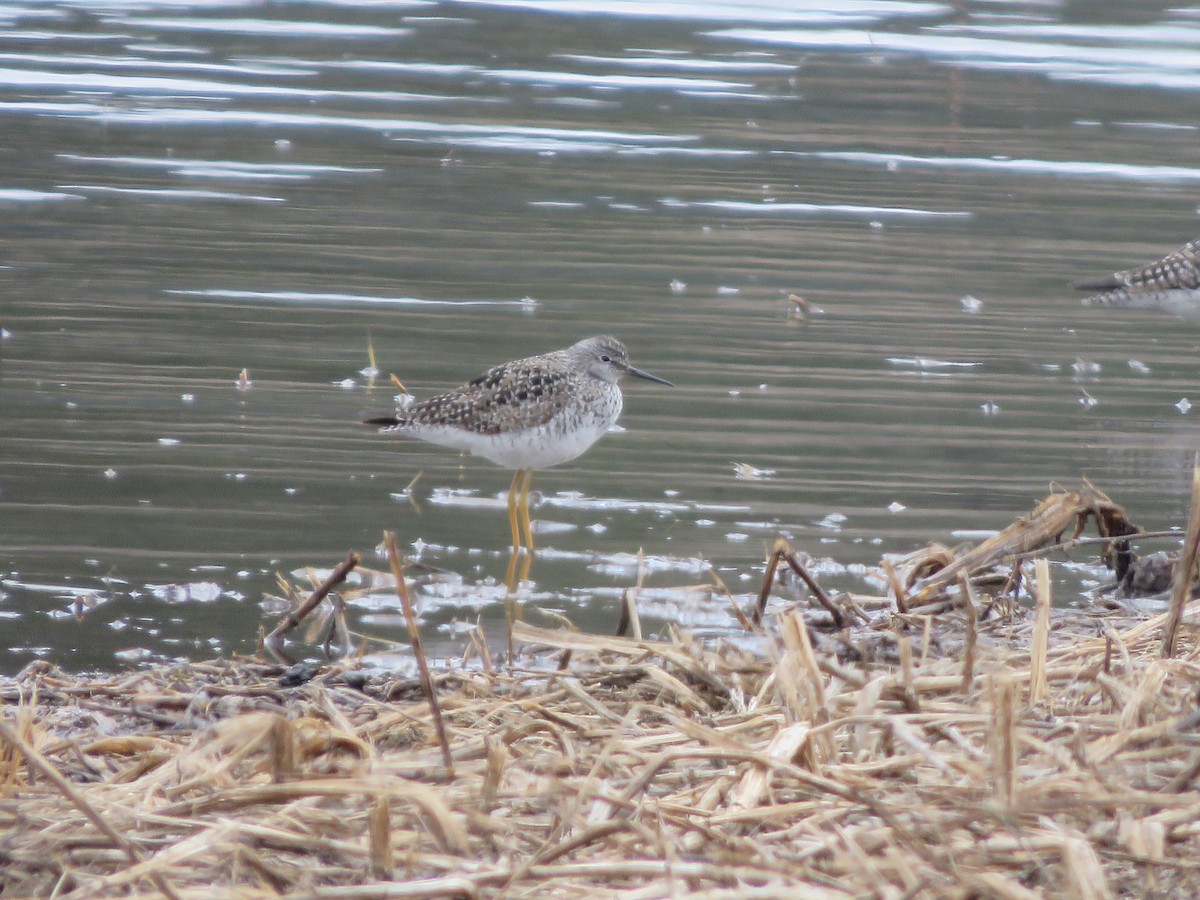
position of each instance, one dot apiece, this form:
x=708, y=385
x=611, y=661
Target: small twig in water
x=294, y=618
x=414, y=633
x=784, y=551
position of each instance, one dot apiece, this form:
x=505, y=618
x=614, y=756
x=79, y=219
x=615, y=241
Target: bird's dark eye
x=605, y=358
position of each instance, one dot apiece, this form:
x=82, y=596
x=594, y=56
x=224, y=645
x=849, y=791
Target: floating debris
x=243, y=382
x=1183, y=405
x=1086, y=400
x=1138, y=366
x=896, y=506
x=193, y=592
x=970, y=304
x=799, y=308
x=833, y=521
x=677, y=286
x=990, y=408
x=169, y=441
x=747, y=472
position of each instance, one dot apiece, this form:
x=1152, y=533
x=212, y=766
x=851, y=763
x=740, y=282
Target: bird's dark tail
x=1107, y=283
x=382, y=421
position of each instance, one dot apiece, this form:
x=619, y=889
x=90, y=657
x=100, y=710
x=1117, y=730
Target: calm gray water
x=193, y=189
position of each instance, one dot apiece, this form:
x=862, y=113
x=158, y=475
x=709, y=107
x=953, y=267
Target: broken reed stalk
x=800, y=675
x=1185, y=568
x=294, y=618
x=1041, y=633
x=630, y=622
x=1003, y=690
x=907, y=695
x=717, y=581
x=632, y=597
x=35, y=760
x=784, y=551
x=971, y=633
x=414, y=634
x=379, y=831
x=768, y=581
x=898, y=592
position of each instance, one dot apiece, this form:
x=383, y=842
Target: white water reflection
x=232, y=168
x=23, y=195
x=173, y=193
x=263, y=27
x=1161, y=63
x=1068, y=168
x=782, y=11
x=305, y=298
x=777, y=208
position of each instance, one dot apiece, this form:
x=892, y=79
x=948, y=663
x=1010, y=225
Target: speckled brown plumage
x=520, y=394
x=1172, y=284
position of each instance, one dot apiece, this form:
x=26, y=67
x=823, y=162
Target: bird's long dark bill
x=640, y=374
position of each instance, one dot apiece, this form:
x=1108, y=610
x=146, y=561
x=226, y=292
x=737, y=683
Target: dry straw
x=1058, y=758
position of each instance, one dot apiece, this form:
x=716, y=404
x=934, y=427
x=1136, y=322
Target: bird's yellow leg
x=524, y=506
x=513, y=492
x=526, y=565
x=510, y=577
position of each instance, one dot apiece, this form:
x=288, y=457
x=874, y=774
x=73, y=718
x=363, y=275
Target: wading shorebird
x=1172, y=284
x=527, y=414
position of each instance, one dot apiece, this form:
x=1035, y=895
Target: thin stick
x=746, y=624
x=379, y=830
x=1185, y=568
x=630, y=597
x=898, y=592
x=336, y=577
x=629, y=615
x=972, y=630
x=43, y=765
x=767, y=582
x=414, y=634
x=1004, y=738
x=839, y=618
x=1041, y=633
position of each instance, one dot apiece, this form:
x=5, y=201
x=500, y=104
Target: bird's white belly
x=531, y=448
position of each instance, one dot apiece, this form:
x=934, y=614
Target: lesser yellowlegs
x=1172, y=284
x=526, y=414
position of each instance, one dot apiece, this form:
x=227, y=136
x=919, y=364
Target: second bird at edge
x=526, y=414
x=1171, y=284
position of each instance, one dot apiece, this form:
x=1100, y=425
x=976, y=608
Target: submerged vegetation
x=960, y=736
